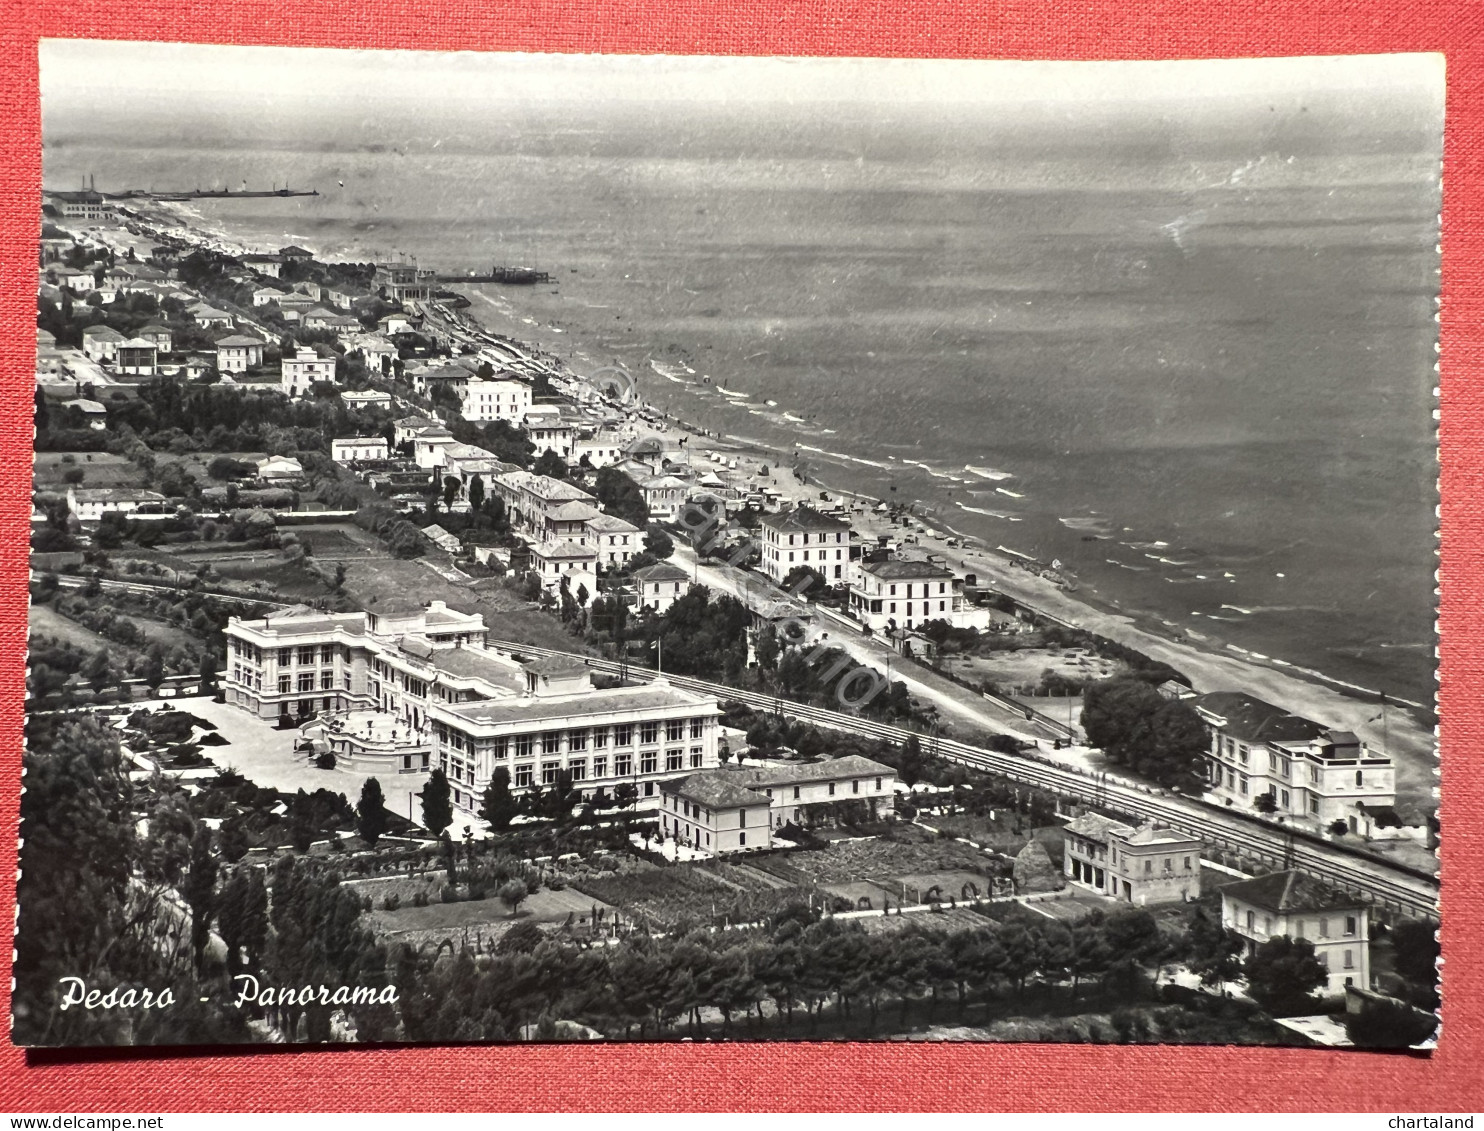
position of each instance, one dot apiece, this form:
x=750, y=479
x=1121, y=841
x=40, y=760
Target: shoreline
x=1407, y=734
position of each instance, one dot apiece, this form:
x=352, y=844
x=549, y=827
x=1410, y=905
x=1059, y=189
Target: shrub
x=450, y=894
x=420, y=899
x=391, y=903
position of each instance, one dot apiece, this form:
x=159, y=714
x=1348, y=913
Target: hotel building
x=1293, y=904
x=1311, y=772
x=805, y=537
x=407, y=688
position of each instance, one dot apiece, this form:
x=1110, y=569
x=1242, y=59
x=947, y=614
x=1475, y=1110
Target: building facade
x=1138, y=865
x=805, y=537
x=660, y=585
x=357, y=449
x=1300, y=907
x=304, y=370
x=1311, y=772
x=496, y=400
x=737, y=809
x=899, y=594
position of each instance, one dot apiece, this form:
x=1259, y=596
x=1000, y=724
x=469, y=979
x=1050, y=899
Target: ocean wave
x=668, y=372
x=988, y=513
x=840, y=456
x=794, y=419
x=1125, y=565
x=731, y=393
x=1004, y=491
x=988, y=472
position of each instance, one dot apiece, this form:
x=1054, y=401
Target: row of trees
x=1160, y=739
x=787, y=977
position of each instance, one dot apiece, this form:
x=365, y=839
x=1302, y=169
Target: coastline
x=1407, y=734
x=1406, y=731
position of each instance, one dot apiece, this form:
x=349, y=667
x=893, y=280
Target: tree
x=208, y=670
x=451, y=488
x=1266, y=803
x=562, y=797
x=1282, y=975
x=98, y=670
x=231, y=838
x=767, y=647
x=1414, y=944
x=657, y=543
x=371, y=814
x=476, y=494
x=154, y=666
x=620, y=496
x=549, y=463
x=912, y=764
x=74, y=475
x=1389, y=1024
x=199, y=891
x=437, y=805
x=512, y=894
x=1337, y=828
x=805, y=581
x=1212, y=951
x=498, y=805
x=626, y=793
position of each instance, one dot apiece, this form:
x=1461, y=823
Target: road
x=1390, y=886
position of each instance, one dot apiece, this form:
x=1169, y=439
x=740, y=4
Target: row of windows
x=307, y=682
x=1351, y=926
x=581, y=738
x=822, y=539
x=623, y=767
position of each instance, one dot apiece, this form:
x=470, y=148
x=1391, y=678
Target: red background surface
x=800, y=1076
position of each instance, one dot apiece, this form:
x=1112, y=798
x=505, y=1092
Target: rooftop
x=661, y=571
x=1096, y=827
x=601, y=523
x=1249, y=719
x=594, y=702
x=564, y=549
x=575, y=511
x=115, y=494
x=1285, y=892
x=716, y=789
x=894, y=568
x=555, y=666
x=804, y=517
x=239, y=340
x=851, y=766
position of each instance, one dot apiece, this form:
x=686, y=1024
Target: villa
x=1137, y=865
x=805, y=537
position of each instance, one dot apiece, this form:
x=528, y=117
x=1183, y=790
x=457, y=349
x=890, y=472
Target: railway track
x=1387, y=885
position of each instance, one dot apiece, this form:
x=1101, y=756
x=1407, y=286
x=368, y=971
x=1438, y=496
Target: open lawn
x=546, y=907
x=1024, y=667
x=46, y=621
x=370, y=584
x=100, y=469
x=276, y=578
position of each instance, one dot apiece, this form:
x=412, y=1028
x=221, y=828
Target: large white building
x=897, y=593
x=805, y=537
x=304, y=370
x=496, y=399
x=1310, y=771
x=408, y=688
x=91, y=503
x=1300, y=907
x=560, y=723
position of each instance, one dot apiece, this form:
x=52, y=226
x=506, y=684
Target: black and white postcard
x=600, y=548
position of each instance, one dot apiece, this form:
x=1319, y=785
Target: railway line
x=1388, y=886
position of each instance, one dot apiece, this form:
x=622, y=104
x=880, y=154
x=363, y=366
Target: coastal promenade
x=1388, y=886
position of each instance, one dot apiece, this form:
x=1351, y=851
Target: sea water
x=1196, y=369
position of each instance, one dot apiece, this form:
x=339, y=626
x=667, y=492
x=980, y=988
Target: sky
x=82, y=73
